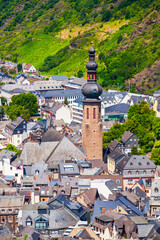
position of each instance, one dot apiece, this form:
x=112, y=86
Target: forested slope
x=51, y=34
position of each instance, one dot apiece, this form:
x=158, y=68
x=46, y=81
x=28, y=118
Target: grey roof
x=65, y=150
x=139, y=220
x=34, y=152
x=118, y=108
x=144, y=230
x=116, y=154
x=59, y=218
x=63, y=93
x=51, y=136
x=113, y=145
x=41, y=167
x=11, y=201
x=15, y=123
x=139, y=162
x=59, y=77
x=126, y=136
x=111, y=184
x=7, y=154
x=91, y=171
x=139, y=99
x=64, y=171
x=112, y=96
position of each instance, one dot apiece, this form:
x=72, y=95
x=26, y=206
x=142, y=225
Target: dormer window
x=29, y=221
x=156, y=190
x=148, y=163
x=140, y=164
x=131, y=164
x=41, y=222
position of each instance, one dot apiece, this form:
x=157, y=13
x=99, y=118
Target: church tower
x=92, y=125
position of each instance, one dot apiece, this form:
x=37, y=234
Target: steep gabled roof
x=65, y=150
x=126, y=136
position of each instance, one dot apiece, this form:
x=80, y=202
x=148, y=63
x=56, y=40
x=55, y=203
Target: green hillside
x=54, y=36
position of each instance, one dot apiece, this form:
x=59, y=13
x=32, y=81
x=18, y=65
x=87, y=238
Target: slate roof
x=113, y=145
x=63, y=93
x=111, y=184
x=37, y=153
x=117, y=108
x=122, y=162
x=7, y=154
x=11, y=201
x=13, y=125
x=139, y=99
x=65, y=150
x=63, y=171
x=145, y=162
x=126, y=136
x=129, y=205
x=59, y=77
x=116, y=154
x=51, y=135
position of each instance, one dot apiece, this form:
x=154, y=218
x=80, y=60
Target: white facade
x=9, y=170
x=102, y=188
x=77, y=112
x=64, y=113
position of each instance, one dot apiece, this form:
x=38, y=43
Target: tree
x=3, y=101
x=155, y=155
x=23, y=104
x=1, y=112
x=66, y=101
x=26, y=114
x=19, y=67
x=80, y=74
x=11, y=147
x=134, y=151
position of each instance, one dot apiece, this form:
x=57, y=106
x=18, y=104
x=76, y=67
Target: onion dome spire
x=92, y=90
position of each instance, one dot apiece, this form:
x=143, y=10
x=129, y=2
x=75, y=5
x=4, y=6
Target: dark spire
x=92, y=90
x=91, y=50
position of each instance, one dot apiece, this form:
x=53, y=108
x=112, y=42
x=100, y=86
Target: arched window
x=156, y=190
x=87, y=113
x=144, y=172
x=37, y=172
x=94, y=113
x=131, y=164
x=137, y=172
x=140, y=164
x=129, y=172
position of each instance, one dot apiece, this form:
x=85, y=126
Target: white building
x=10, y=165
x=64, y=113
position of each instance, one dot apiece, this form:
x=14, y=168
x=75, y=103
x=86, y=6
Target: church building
x=92, y=125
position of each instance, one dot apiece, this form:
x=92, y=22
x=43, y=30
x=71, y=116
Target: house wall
x=92, y=130
x=111, y=165
x=131, y=142
x=9, y=218
x=65, y=114
x=9, y=170
x=154, y=208
x=16, y=139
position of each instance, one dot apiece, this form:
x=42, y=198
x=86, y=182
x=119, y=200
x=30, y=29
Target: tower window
x=87, y=113
x=94, y=113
